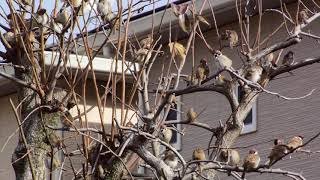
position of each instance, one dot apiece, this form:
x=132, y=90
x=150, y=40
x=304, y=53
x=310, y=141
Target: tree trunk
x=33, y=129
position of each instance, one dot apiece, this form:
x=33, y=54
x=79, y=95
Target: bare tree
x=31, y=31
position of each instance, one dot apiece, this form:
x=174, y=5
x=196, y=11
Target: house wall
x=277, y=118
x=72, y=140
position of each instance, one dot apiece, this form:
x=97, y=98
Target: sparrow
x=219, y=80
x=221, y=61
x=231, y=36
x=250, y=162
x=143, y=56
x=191, y=115
x=42, y=17
x=202, y=71
x=166, y=134
x=56, y=27
x=171, y=159
x=288, y=59
x=295, y=142
x=278, y=151
x=180, y=11
x=146, y=42
x=199, y=155
x=104, y=7
x=254, y=73
x=10, y=37
x=303, y=16
x=62, y=17
x=231, y=157
x=269, y=61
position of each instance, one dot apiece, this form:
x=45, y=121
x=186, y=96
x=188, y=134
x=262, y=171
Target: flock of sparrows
x=232, y=157
x=252, y=73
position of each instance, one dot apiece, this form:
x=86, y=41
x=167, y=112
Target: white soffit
x=100, y=65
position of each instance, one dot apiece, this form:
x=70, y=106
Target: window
x=250, y=123
x=175, y=114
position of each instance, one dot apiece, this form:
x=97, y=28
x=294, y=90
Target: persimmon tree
x=30, y=31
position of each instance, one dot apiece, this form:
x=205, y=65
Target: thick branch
x=285, y=69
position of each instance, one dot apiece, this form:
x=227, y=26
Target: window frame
x=252, y=127
x=178, y=145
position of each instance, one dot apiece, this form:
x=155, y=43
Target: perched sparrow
x=190, y=80
x=181, y=12
x=303, y=16
x=288, y=59
x=202, y=71
x=278, y=151
x=231, y=157
x=221, y=61
x=146, y=42
x=171, y=159
x=42, y=17
x=251, y=162
x=143, y=56
x=199, y=155
x=104, y=7
x=62, y=17
x=269, y=61
x=231, y=36
x=219, y=80
x=166, y=134
x=191, y=115
x=254, y=73
x=295, y=142
x=56, y=27
x=10, y=38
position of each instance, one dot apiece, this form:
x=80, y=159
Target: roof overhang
x=101, y=66
x=225, y=12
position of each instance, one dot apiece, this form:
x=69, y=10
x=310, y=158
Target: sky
x=49, y=5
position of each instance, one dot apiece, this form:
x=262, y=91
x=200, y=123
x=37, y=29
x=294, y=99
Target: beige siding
x=8, y=125
x=277, y=118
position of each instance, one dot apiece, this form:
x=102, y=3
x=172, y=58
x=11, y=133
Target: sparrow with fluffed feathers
x=288, y=59
x=10, y=38
x=171, y=159
x=295, y=142
x=166, y=134
x=146, y=42
x=250, y=162
x=221, y=61
x=62, y=17
x=231, y=36
x=143, y=56
x=202, y=71
x=278, y=151
x=191, y=115
x=42, y=17
x=254, y=73
x=303, y=16
x=104, y=7
x=219, y=80
x=231, y=157
x=199, y=155
x=269, y=61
